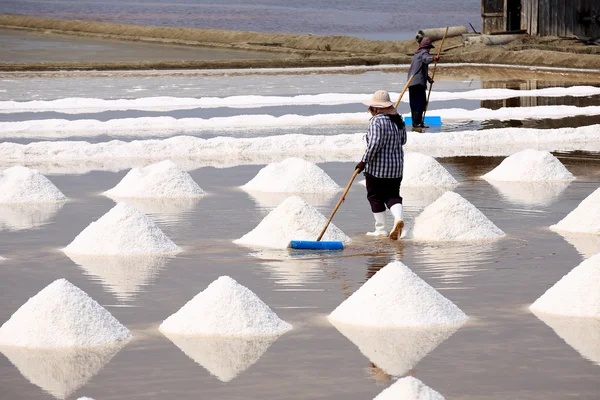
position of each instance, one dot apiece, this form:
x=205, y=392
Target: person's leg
x=394, y=202
x=413, y=99
x=420, y=94
x=377, y=202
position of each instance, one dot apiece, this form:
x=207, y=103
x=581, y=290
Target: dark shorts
x=382, y=192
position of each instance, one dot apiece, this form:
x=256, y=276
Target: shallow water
x=502, y=352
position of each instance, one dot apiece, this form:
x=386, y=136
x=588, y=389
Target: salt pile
x=530, y=165
x=122, y=231
x=396, y=297
x=583, y=219
x=409, y=388
x=21, y=216
x=424, y=170
x=61, y=315
x=453, y=218
x=163, y=179
x=24, y=185
x=576, y=294
x=224, y=357
x=292, y=175
x=61, y=372
x=294, y=219
x=225, y=308
x=395, y=350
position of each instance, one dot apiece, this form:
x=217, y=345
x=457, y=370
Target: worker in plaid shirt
x=383, y=163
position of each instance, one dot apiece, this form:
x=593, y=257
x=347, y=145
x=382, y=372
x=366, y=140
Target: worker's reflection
x=376, y=262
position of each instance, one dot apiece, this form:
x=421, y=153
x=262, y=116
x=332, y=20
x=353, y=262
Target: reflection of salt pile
x=292, y=175
x=225, y=308
x=530, y=166
x=585, y=218
x=582, y=334
x=61, y=371
x=125, y=276
x=122, y=231
x=424, y=170
x=224, y=357
x=586, y=245
x=61, y=315
x=165, y=208
x=576, y=294
x=453, y=218
x=395, y=350
x=409, y=388
x=14, y=217
x=293, y=219
x=24, y=185
x=164, y=179
x=530, y=193
x=396, y=297
x=293, y=271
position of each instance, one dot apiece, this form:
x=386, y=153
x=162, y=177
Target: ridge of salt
x=293, y=219
x=292, y=175
x=225, y=308
x=424, y=170
x=396, y=297
x=62, y=315
x=164, y=180
x=122, y=231
x=585, y=218
x=409, y=388
x=453, y=218
x=576, y=294
x=530, y=165
x=25, y=185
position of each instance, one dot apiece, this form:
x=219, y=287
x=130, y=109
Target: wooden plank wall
x=493, y=16
x=560, y=17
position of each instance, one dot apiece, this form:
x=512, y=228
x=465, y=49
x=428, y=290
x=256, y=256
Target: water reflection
x=125, y=276
x=530, y=193
x=582, y=334
x=14, y=217
x=272, y=200
x=223, y=357
x=294, y=271
x=587, y=245
x=61, y=371
x=395, y=350
x=168, y=209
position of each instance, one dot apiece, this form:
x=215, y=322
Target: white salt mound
x=424, y=170
x=583, y=219
x=576, y=294
x=292, y=175
x=122, y=231
x=530, y=165
x=396, y=297
x=409, y=388
x=61, y=315
x=294, y=219
x=24, y=185
x=163, y=179
x=453, y=218
x=225, y=308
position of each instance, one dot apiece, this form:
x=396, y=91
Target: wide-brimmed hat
x=426, y=43
x=380, y=99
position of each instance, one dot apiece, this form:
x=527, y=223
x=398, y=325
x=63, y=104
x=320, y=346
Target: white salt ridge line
x=585, y=218
x=164, y=126
x=79, y=105
x=324, y=148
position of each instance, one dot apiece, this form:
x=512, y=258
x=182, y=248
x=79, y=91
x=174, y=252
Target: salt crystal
x=585, y=218
x=24, y=185
x=294, y=219
x=225, y=308
x=530, y=165
x=61, y=315
x=396, y=297
x=163, y=179
x=424, y=170
x=122, y=231
x=409, y=388
x=292, y=175
x=453, y=218
x=576, y=294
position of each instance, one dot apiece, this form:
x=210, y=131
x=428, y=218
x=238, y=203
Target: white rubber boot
x=379, y=225
x=397, y=210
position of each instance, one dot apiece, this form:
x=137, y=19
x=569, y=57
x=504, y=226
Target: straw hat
x=380, y=99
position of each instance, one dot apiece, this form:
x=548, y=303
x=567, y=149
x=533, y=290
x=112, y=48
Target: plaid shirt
x=384, y=157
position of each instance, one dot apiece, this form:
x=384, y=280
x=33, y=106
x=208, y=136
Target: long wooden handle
x=403, y=90
x=433, y=73
x=356, y=171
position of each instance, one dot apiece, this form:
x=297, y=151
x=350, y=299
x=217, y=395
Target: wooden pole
x=403, y=90
x=433, y=75
x=338, y=204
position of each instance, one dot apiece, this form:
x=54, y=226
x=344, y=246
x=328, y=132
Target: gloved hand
x=436, y=58
x=360, y=167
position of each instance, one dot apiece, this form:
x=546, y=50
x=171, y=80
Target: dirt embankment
x=303, y=50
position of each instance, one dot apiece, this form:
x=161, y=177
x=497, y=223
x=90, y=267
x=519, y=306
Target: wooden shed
x=563, y=18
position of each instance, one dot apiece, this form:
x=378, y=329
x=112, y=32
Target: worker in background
x=417, y=90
